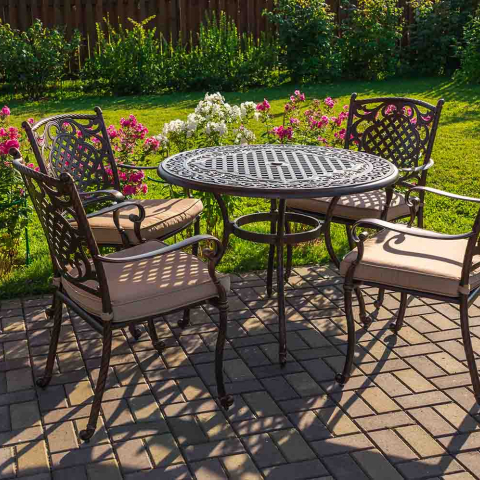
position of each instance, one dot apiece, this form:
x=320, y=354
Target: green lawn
x=456, y=156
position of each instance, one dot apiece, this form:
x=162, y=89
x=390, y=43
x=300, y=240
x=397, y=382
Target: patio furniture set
x=368, y=186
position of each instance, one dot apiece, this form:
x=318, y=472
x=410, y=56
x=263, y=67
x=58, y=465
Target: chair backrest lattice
x=70, y=239
x=77, y=144
x=401, y=130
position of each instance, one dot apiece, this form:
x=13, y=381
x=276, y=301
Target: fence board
x=172, y=16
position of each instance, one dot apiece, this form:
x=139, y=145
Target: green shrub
x=370, y=39
x=306, y=33
x=221, y=59
x=470, y=53
x=33, y=60
x=435, y=36
x=125, y=62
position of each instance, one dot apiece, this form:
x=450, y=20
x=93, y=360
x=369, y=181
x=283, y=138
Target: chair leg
x=135, y=332
x=342, y=378
x=397, y=326
x=52, y=350
x=351, y=243
x=49, y=311
x=158, y=345
x=381, y=296
x=288, y=265
x=225, y=400
x=196, y=231
x=366, y=320
x=467, y=344
x=87, y=434
x=185, y=321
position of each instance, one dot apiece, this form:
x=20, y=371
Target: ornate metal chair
x=133, y=285
x=78, y=144
x=401, y=130
x=417, y=262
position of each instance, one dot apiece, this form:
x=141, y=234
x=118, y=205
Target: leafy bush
x=221, y=59
x=35, y=59
x=370, y=39
x=125, y=61
x=306, y=32
x=435, y=36
x=470, y=53
x=13, y=207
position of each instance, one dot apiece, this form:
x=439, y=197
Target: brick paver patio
x=408, y=411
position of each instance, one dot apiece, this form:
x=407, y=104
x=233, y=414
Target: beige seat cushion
x=355, y=207
x=415, y=263
x=149, y=287
x=162, y=217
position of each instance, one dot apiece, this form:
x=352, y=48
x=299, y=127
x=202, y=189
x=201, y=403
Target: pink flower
x=129, y=190
x=152, y=144
x=390, y=110
x=5, y=112
x=144, y=188
x=340, y=134
x=112, y=132
x=297, y=93
x=322, y=140
x=7, y=145
x=329, y=102
x=264, y=106
x=79, y=134
x=31, y=121
x=283, y=132
x=294, y=121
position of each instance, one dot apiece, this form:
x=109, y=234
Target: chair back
x=401, y=130
x=72, y=246
x=77, y=144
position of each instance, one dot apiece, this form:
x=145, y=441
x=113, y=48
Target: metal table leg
x=282, y=351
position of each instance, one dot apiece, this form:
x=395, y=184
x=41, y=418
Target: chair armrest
x=420, y=168
x=440, y=192
x=117, y=207
x=101, y=196
x=164, y=250
x=399, y=228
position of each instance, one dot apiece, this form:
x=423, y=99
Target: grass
x=456, y=160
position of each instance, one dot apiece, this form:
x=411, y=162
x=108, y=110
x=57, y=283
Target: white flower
x=244, y=136
x=175, y=126
x=257, y=116
x=161, y=138
x=214, y=98
x=216, y=127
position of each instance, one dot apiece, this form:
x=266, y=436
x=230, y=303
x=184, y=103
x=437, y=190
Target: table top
x=278, y=171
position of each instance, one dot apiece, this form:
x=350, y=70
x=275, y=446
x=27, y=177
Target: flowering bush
x=132, y=146
x=13, y=208
x=313, y=123
x=214, y=122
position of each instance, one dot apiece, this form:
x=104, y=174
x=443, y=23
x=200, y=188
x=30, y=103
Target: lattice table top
x=278, y=171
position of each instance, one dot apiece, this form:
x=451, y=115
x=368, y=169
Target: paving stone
x=458, y=418
x=432, y=422
x=344, y=467
x=61, y=437
x=71, y=473
x=378, y=400
x=469, y=460
x=263, y=450
x=301, y=404
x=24, y=415
x=376, y=466
x=241, y=467
x=420, y=441
x=106, y=470
x=279, y=388
x=32, y=458
x=265, y=424
x=213, y=449
x=262, y=404
x=336, y=421
x=296, y=471
x=20, y=379
x=353, y=404
x=309, y=425
x=81, y=456
x=215, y=425
x=193, y=388
x=133, y=456
x=145, y=409
x=209, y=470
x=187, y=430
x=343, y=444
x=304, y=384
x=7, y=463
x=20, y=436
x=423, y=399
x=428, y=467
x=164, y=450
x=461, y=442
x=392, y=446
x=116, y=413
x=292, y=445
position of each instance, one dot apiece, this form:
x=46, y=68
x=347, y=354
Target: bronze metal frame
x=59, y=145
x=221, y=182
x=464, y=300
x=394, y=137
x=76, y=258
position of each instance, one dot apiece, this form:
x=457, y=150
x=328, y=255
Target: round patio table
x=278, y=173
